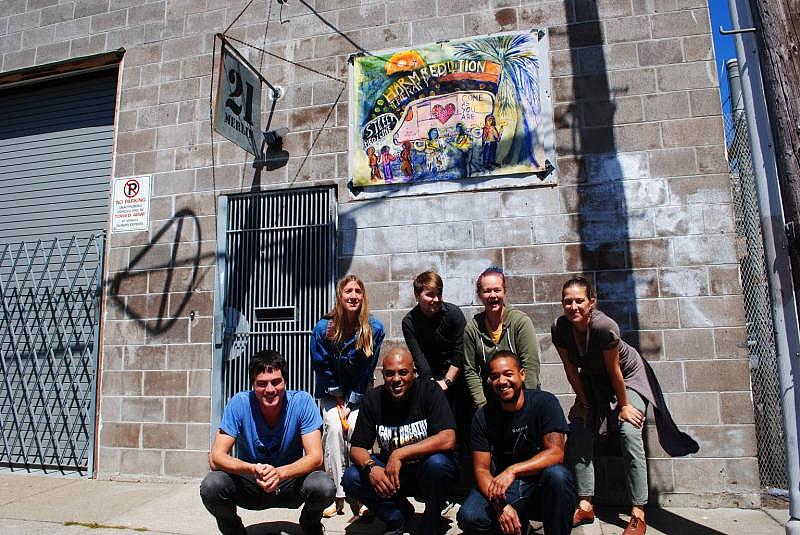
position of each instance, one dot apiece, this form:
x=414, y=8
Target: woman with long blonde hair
x=345, y=345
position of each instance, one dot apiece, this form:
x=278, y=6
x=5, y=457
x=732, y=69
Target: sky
x=724, y=46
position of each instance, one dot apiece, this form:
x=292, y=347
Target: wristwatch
x=448, y=382
x=368, y=467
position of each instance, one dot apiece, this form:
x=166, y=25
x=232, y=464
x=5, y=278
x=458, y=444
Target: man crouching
x=520, y=433
x=415, y=429
x=279, y=447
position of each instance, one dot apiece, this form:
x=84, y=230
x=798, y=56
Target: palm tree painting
x=517, y=100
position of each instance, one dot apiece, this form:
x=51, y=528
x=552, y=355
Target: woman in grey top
x=613, y=385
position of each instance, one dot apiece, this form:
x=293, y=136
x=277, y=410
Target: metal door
x=276, y=278
x=49, y=327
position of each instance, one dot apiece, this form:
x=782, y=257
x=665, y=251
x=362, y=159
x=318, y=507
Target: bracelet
x=367, y=468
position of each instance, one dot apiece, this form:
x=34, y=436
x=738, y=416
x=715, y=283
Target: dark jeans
x=222, y=492
x=549, y=497
x=430, y=479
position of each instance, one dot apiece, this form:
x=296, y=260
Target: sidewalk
x=37, y=504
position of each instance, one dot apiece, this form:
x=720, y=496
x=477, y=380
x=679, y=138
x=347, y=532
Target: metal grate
x=280, y=272
x=760, y=342
x=49, y=293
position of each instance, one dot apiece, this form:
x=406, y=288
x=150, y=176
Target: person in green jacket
x=497, y=327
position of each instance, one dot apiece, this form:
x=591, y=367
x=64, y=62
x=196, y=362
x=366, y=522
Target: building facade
x=639, y=201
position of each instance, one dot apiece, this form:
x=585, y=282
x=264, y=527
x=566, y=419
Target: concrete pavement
x=54, y=505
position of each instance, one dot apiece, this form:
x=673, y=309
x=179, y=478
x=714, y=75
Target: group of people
x=470, y=386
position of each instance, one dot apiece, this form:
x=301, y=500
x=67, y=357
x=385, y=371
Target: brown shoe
x=582, y=517
x=635, y=527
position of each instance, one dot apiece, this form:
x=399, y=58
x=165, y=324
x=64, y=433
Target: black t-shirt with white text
x=423, y=413
x=513, y=437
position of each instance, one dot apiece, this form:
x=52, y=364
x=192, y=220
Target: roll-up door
x=55, y=156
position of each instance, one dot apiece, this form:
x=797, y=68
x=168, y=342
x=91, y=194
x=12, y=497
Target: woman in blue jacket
x=345, y=346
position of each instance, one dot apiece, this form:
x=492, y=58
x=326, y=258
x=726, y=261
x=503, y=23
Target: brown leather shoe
x=635, y=527
x=582, y=517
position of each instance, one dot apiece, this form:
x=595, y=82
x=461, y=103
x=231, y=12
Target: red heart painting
x=443, y=113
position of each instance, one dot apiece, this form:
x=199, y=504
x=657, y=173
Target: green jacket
x=518, y=336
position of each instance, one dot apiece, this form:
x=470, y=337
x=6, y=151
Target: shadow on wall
x=159, y=304
x=603, y=217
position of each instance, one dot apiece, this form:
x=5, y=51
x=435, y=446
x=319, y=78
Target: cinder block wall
x=642, y=203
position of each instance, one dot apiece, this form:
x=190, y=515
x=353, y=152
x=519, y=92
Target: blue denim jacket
x=341, y=369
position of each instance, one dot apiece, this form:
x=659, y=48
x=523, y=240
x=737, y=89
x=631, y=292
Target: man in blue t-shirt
x=517, y=442
x=279, y=448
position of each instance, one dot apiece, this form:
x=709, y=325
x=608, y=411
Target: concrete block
x=444, y=236
x=718, y=219
x=468, y=264
x=37, y=37
x=55, y=14
x=620, y=285
x=369, y=268
x=87, y=8
x=587, y=199
x=164, y=383
x=694, y=408
x=185, y=463
x=388, y=240
x=552, y=229
x=390, y=36
x=145, y=357
x=725, y=441
x=18, y=60
x=650, y=345
x=104, y=22
x=502, y=232
x=534, y=201
x=712, y=311
x=189, y=357
x=644, y=193
x=547, y=287
x=543, y=15
x=501, y=20
x=660, y=52
x=673, y=162
x=389, y=295
x=519, y=289
x=692, y=132
x=689, y=344
x=12, y=7
x=742, y=475
x=705, y=102
x=131, y=331
x=657, y=313
x=736, y=407
x=197, y=437
x=670, y=375
x=433, y=30
x=615, y=167
x=660, y=475
x=661, y=106
x=696, y=75
x=142, y=409
x=683, y=282
x=717, y=375
x=533, y=259
x=725, y=280
x=731, y=343
x=699, y=475
x=698, y=48
x=707, y=249
x=626, y=29
x=405, y=267
x=594, y=256
x=120, y=435
x=72, y=29
x=688, y=22
x=650, y=253
x=51, y=53
x=164, y=436
x=707, y=189
x=188, y=409
x=604, y=113
x=145, y=462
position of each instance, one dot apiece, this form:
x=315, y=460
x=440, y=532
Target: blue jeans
x=549, y=497
x=429, y=479
x=222, y=492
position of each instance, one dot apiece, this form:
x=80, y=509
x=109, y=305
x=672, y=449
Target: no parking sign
x=130, y=204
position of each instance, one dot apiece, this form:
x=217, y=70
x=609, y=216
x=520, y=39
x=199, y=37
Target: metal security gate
x=49, y=329
x=277, y=270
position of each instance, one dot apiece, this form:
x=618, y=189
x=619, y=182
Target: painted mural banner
x=448, y=111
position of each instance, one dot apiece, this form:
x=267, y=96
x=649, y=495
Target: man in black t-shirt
x=415, y=431
x=517, y=452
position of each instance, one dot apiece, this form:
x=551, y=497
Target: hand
x=579, y=411
x=382, y=485
x=441, y=383
x=268, y=478
x=509, y=521
x=393, y=466
x=632, y=415
x=499, y=485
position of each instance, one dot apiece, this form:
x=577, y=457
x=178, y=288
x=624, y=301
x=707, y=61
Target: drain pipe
x=776, y=245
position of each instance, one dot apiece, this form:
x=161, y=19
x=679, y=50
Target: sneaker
x=582, y=517
x=336, y=508
x=636, y=526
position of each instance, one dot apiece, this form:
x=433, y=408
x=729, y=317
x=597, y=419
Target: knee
x=471, y=519
x=558, y=478
x=214, y=485
x=319, y=486
x=438, y=465
x=351, y=480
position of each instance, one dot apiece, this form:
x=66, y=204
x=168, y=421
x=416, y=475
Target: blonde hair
x=337, y=327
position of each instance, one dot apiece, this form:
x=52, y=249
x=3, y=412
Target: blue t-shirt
x=258, y=443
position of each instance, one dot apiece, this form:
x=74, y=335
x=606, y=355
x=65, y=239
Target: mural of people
x=463, y=143
x=491, y=135
x=433, y=152
x=375, y=175
x=405, y=160
x=386, y=163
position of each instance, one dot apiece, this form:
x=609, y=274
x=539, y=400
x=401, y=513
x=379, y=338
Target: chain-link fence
x=758, y=312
